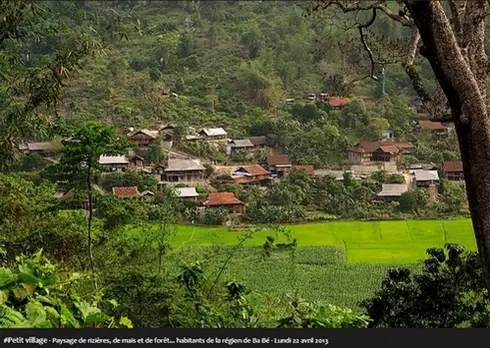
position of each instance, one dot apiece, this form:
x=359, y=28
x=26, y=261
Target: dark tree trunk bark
x=477, y=187
x=461, y=74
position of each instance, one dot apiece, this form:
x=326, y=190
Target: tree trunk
x=89, y=235
x=474, y=145
x=461, y=73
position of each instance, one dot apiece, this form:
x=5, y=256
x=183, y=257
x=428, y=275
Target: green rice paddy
x=339, y=262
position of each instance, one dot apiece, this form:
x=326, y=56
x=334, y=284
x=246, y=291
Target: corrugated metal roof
x=113, y=160
x=186, y=192
x=214, y=132
x=393, y=190
x=426, y=175
x=242, y=143
x=183, y=164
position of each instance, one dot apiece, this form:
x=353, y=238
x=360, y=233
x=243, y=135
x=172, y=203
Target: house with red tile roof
x=337, y=102
x=377, y=151
x=453, y=170
x=433, y=127
x=253, y=174
x=226, y=200
x=278, y=164
x=126, y=192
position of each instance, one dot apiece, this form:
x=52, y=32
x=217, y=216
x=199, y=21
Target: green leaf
x=35, y=313
x=52, y=314
x=4, y=295
x=124, y=321
x=47, y=300
x=7, y=278
x=87, y=311
x=67, y=318
x=28, y=278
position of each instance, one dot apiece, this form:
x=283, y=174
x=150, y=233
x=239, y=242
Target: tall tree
x=451, y=36
x=33, y=73
x=79, y=162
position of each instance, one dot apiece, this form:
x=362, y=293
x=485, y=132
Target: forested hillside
x=232, y=63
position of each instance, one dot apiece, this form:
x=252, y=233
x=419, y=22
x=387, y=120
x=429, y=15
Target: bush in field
x=214, y=216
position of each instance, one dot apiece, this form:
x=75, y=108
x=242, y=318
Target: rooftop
x=175, y=165
x=453, y=166
x=131, y=191
x=278, y=160
x=253, y=170
x=221, y=198
x=242, y=143
x=393, y=190
x=432, y=125
x=43, y=146
x=186, y=192
x=113, y=160
x=426, y=175
x=387, y=146
x=337, y=102
x=151, y=133
x=214, y=132
x=258, y=141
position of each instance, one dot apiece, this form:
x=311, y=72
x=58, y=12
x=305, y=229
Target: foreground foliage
x=32, y=294
x=449, y=292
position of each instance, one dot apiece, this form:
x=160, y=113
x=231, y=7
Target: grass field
x=339, y=262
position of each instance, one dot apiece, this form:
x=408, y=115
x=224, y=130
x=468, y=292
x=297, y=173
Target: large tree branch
x=473, y=41
x=443, y=52
x=361, y=27
x=356, y=6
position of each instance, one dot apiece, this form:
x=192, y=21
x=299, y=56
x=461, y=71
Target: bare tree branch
x=365, y=45
x=356, y=6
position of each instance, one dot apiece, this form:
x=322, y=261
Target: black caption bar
x=379, y=338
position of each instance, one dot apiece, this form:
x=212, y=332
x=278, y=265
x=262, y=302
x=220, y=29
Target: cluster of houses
x=180, y=169
x=424, y=178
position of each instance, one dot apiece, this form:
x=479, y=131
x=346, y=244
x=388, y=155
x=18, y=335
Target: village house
x=45, y=149
x=433, y=127
x=126, y=192
x=259, y=142
x=136, y=161
x=84, y=202
x=377, y=151
x=278, y=164
x=167, y=128
x=392, y=192
x=143, y=137
x=240, y=145
x=337, y=103
x=226, y=200
x=213, y=134
x=426, y=178
x=251, y=175
x=453, y=170
x=114, y=163
x=183, y=171
x=187, y=193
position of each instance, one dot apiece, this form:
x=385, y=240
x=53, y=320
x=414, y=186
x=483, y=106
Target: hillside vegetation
x=228, y=61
